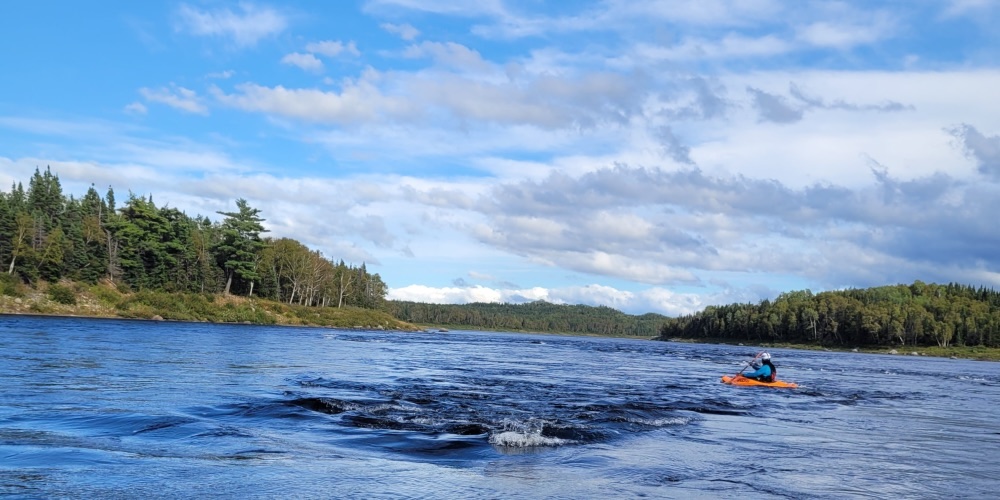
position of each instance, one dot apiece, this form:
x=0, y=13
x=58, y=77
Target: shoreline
x=973, y=353
x=95, y=302
x=463, y=328
x=195, y=308
x=163, y=320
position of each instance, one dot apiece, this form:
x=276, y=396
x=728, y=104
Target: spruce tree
x=240, y=247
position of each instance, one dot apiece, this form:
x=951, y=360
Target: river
x=129, y=409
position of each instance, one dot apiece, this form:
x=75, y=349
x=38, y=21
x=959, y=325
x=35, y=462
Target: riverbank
x=957, y=352
x=104, y=300
x=460, y=328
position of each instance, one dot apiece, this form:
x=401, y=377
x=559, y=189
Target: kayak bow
x=743, y=381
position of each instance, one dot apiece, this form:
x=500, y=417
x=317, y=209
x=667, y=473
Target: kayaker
x=764, y=370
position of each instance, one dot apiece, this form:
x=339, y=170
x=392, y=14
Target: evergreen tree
x=45, y=199
x=204, y=239
x=44, y=235
x=94, y=249
x=45, y=205
x=239, y=249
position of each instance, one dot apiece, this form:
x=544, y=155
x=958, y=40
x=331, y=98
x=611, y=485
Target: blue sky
x=649, y=156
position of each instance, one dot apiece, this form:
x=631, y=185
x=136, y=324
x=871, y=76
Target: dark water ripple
x=125, y=409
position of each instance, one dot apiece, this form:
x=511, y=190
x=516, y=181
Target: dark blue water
x=127, y=409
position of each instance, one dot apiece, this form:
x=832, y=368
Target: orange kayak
x=727, y=379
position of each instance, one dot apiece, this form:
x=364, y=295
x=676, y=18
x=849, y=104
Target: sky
x=656, y=156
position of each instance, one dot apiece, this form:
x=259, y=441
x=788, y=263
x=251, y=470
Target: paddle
x=745, y=367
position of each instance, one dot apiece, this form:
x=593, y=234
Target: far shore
x=88, y=306
x=976, y=353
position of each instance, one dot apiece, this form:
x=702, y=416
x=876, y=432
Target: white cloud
x=621, y=266
x=244, y=28
x=548, y=101
x=357, y=103
x=307, y=62
x=447, y=295
x=481, y=276
x=701, y=12
x=450, y=53
x=956, y=8
x=90, y=132
x=332, y=48
x=659, y=300
x=221, y=75
x=445, y=7
x=728, y=47
x=135, y=108
x=178, y=156
x=176, y=97
x=627, y=16
x=842, y=36
x=404, y=31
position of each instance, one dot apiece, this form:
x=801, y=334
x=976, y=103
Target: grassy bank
x=960, y=352
x=104, y=300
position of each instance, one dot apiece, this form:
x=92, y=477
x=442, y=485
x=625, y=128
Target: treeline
x=45, y=235
x=919, y=315
x=536, y=316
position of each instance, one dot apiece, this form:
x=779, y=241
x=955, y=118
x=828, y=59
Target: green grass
x=107, y=295
x=79, y=300
x=172, y=306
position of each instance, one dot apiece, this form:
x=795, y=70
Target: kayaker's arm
x=764, y=370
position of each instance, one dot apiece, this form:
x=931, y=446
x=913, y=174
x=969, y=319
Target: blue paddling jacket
x=765, y=373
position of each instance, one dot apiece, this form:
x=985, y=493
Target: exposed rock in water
x=157, y=317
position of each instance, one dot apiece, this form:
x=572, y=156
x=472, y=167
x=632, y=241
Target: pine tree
x=239, y=250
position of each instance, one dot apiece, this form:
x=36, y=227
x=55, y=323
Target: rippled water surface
x=104, y=408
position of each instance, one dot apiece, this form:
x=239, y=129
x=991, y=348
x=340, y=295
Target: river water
x=128, y=409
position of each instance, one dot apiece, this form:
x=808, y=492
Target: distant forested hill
x=919, y=314
x=534, y=317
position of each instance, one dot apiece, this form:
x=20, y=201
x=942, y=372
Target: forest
x=538, y=316
x=48, y=236
x=919, y=314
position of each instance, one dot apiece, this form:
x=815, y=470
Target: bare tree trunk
x=112, y=255
x=343, y=288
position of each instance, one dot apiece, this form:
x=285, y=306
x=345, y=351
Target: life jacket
x=774, y=372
